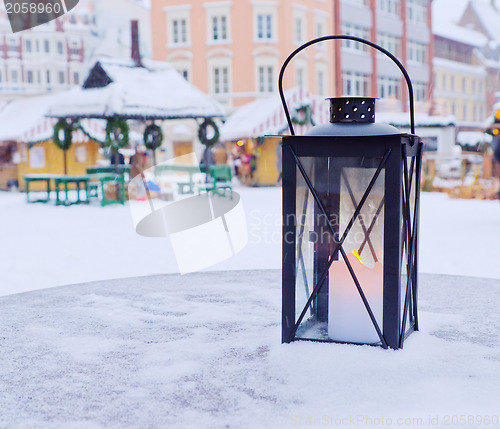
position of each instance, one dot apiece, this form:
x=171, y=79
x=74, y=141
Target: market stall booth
x=26, y=143
x=250, y=133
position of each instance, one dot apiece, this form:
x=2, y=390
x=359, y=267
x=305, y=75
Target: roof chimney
x=136, y=53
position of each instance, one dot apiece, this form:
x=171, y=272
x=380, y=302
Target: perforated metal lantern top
x=352, y=109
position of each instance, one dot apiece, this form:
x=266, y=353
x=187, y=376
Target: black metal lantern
x=350, y=224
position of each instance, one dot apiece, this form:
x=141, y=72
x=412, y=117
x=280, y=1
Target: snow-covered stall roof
x=154, y=91
x=421, y=120
x=266, y=116
x=473, y=137
x=25, y=120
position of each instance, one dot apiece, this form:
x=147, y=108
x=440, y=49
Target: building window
x=355, y=30
x=388, y=87
x=320, y=84
x=61, y=77
x=420, y=91
x=14, y=76
x=300, y=77
x=28, y=46
x=391, y=7
x=417, y=52
x=391, y=43
x=46, y=46
x=219, y=28
x=48, y=76
x=60, y=48
x=264, y=26
x=76, y=78
x=452, y=83
x=299, y=30
x=266, y=79
x=356, y=84
x=417, y=11
x=360, y=2
x=29, y=76
x=179, y=31
x=221, y=80
x=444, y=82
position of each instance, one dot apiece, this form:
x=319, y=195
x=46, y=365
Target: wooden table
x=28, y=178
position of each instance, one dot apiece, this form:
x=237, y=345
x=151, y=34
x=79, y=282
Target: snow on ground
x=45, y=246
x=203, y=351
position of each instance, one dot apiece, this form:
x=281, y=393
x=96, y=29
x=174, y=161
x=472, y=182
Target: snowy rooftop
x=266, y=116
x=154, y=91
x=446, y=14
x=489, y=17
x=25, y=120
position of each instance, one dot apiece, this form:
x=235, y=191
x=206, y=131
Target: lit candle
x=348, y=319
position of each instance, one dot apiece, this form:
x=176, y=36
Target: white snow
x=51, y=246
x=204, y=350
x=421, y=120
x=158, y=90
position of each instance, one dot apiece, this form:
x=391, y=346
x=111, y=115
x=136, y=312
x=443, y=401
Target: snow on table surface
x=203, y=351
x=45, y=245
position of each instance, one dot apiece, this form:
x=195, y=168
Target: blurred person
x=137, y=166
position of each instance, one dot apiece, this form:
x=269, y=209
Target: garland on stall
x=117, y=133
x=153, y=137
x=63, y=134
x=203, y=132
x=303, y=115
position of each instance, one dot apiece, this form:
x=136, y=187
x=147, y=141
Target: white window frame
x=322, y=80
x=420, y=91
x=301, y=75
x=178, y=26
x=354, y=30
x=218, y=18
x=389, y=42
x=265, y=18
x=388, y=87
x=417, y=52
x=416, y=11
x=355, y=84
x=390, y=7
x=299, y=25
x=220, y=76
x=320, y=29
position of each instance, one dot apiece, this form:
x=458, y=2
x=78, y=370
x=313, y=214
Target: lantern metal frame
x=389, y=147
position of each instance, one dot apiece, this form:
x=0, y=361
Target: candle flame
x=355, y=253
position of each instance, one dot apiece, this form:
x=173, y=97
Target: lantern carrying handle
x=356, y=39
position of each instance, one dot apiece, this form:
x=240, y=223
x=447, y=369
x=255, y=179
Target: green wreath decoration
x=303, y=115
x=117, y=133
x=202, y=132
x=153, y=137
x=64, y=141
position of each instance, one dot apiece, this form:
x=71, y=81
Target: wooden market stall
x=251, y=133
x=27, y=147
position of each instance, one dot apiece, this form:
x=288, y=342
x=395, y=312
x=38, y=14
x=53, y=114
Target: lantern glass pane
x=304, y=255
x=337, y=312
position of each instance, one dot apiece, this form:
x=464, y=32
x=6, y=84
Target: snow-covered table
x=203, y=351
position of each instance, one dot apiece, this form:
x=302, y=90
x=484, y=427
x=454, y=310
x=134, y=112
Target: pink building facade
x=233, y=50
